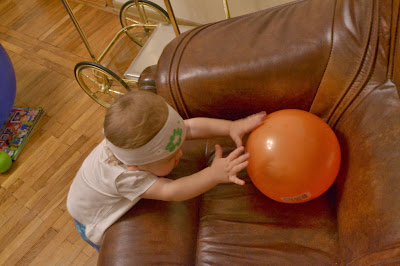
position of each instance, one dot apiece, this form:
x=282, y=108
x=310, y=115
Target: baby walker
x=146, y=24
x=139, y=19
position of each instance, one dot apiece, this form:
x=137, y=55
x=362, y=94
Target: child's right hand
x=226, y=169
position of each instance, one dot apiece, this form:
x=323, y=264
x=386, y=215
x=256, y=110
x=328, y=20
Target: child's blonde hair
x=134, y=119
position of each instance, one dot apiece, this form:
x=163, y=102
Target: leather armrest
x=368, y=185
x=261, y=61
x=147, y=79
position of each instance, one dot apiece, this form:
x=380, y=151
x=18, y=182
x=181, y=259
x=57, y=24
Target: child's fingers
x=236, y=180
x=259, y=116
x=240, y=159
x=238, y=141
x=233, y=155
x=262, y=114
x=239, y=167
x=218, y=151
x=256, y=120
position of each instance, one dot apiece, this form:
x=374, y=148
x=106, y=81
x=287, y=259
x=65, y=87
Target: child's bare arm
x=208, y=127
x=222, y=170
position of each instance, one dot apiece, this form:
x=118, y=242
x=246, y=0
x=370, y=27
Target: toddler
x=142, y=144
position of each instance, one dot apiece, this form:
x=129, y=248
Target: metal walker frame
x=99, y=82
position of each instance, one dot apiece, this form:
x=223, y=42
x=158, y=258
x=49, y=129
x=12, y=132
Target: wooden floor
x=35, y=227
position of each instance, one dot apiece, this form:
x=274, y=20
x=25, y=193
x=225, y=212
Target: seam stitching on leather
x=395, y=23
x=174, y=77
x=352, y=94
x=330, y=54
x=359, y=68
x=169, y=80
x=366, y=66
x=367, y=254
x=170, y=70
x=172, y=80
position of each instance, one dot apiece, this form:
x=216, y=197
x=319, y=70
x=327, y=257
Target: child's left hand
x=243, y=126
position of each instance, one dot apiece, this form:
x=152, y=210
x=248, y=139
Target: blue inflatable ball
x=7, y=85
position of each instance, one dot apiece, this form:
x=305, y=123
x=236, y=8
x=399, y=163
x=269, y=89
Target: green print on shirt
x=175, y=140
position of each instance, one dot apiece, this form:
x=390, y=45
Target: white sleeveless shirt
x=101, y=192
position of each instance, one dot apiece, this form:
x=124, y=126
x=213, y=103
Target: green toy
x=5, y=162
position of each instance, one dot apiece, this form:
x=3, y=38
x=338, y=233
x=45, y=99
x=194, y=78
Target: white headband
x=168, y=140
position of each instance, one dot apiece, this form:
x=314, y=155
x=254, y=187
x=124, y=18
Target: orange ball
x=294, y=156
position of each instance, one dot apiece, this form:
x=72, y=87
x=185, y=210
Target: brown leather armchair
x=337, y=59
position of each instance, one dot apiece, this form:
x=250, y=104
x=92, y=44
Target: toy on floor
x=7, y=85
x=295, y=156
x=5, y=162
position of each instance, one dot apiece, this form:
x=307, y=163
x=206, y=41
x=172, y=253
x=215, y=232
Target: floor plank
x=44, y=47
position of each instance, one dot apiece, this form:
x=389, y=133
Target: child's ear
x=132, y=167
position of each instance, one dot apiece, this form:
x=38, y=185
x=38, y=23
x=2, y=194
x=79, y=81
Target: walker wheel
x=100, y=83
x=152, y=14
